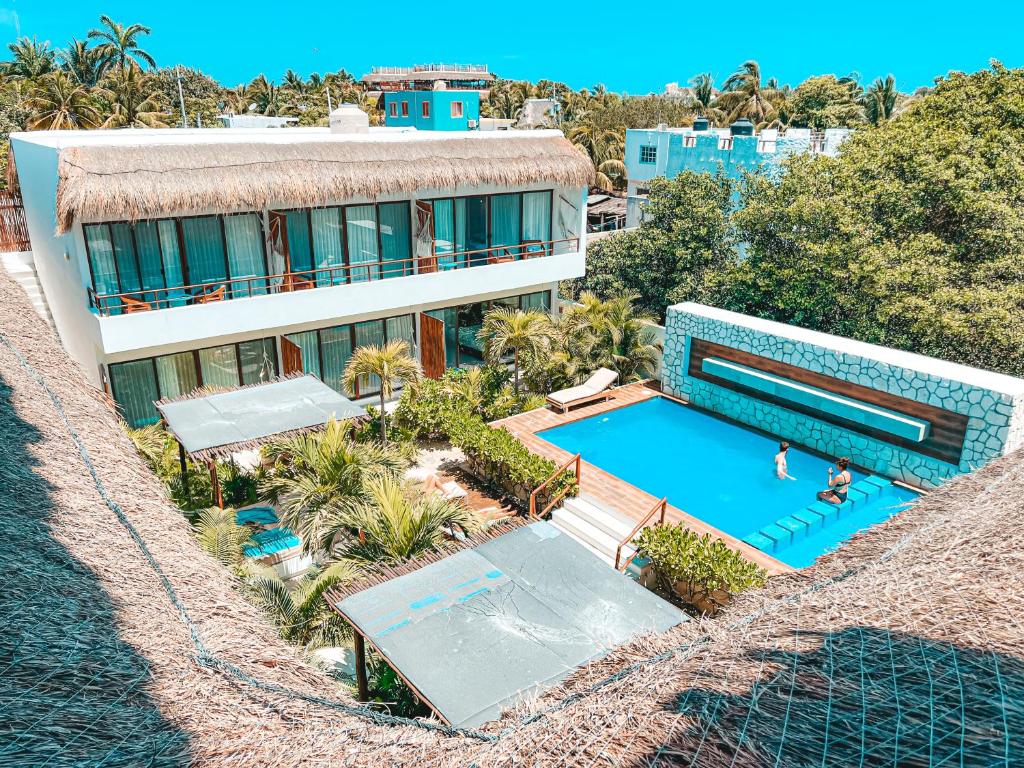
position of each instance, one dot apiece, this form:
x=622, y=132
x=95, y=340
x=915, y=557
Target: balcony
x=213, y=292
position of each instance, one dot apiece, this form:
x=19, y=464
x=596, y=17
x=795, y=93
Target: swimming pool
x=724, y=475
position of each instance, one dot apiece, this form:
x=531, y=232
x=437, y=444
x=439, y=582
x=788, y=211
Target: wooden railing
x=297, y=280
x=663, y=506
x=560, y=495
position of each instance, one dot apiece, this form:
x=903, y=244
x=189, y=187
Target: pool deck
x=610, y=490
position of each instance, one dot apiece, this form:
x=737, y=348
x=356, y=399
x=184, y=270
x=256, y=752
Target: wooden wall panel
x=948, y=429
x=432, y=346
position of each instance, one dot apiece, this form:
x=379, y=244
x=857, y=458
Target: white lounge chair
x=594, y=388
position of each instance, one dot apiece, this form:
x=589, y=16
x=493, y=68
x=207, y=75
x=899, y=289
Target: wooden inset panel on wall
x=947, y=428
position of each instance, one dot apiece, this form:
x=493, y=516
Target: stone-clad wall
x=994, y=403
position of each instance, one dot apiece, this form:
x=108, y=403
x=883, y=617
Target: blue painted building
x=664, y=151
x=432, y=110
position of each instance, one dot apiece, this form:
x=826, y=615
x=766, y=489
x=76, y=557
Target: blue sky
x=628, y=46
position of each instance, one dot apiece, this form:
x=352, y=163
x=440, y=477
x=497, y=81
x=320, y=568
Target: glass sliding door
x=328, y=245
x=395, y=239
x=170, y=252
x=243, y=235
x=219, y=366
x=475, y=215
x=361, y=229
x=402, y=328
x=134, y=388
x=336, y=348
x=308, y=345
x=506, y=225
x=204, y=250
x=177, y=374
x=258, y=359
x=444, y=233
x=367, y=333
x=100, y=248
x=536, y=222
x=151, y=267
x=471, y=320
x=124, y=255
x=300, y=249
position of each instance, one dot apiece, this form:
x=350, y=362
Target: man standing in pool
x=781, y=468
x=839, y=484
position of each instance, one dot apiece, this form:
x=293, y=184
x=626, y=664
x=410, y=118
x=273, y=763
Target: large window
x=171, y=262
x=326, y=351
x=136, y=385
x=462, y=325
x=482, y=229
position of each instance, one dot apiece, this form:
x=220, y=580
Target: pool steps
x=816, y=516
x=596, y=527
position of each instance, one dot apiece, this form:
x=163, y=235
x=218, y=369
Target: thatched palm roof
x=137, y=182
x=906, y=647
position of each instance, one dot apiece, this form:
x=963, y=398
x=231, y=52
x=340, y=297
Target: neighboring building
x=605, y=212
x=256, y=121
x=538, y=113
x=684, y=93
x=425, y=77
x=439, y=110
x=172, y=259
x=664, y=151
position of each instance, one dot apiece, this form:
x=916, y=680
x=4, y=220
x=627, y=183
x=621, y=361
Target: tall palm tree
x=131, y=99
x=293, y=80
x=85, y=64
x=30, y=59
x=238, y=99
x=120, y=44
x=744, y=95
x=512, y=330
x=394, y=523
x=703, y=92
x=880, y=100
x=392, y=364
x=58, y=102
x=221, y=536
x=314, y=475
x=467, y=387
x=611, y=334
x=266, y=95
x=605, y=148
x=301, y=613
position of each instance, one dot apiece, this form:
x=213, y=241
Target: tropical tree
x=267, y=96
x=58, y=102
x=391, y=364
x=315, y=475
x=704, y=97
x=130, y=100
x=880, y=100
x=826, y=102
x=85, y=64
x=220, y=535
x=744, y=95
x=302, y=614
x=506, y=330
x=30, y=59
x=605, y=147
x=394, y=523
x=120, y=44
x=294, y=81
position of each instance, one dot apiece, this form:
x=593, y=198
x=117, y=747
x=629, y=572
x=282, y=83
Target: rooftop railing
x=147, y=300
x=475, y=68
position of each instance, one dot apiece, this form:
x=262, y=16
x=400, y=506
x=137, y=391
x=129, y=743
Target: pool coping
x=612, y=491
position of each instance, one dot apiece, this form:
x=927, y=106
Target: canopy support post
x=184, y=468
x=359, y=647
x=218, y=499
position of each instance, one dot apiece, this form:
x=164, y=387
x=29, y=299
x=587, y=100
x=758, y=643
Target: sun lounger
x=594, y=388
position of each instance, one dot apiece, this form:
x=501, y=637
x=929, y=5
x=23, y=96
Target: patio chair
x=129, y=305
x=211, y=296
x=594, y=388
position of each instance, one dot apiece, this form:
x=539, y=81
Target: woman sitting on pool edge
x=838, y=485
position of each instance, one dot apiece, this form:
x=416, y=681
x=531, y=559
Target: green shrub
x=701, y=569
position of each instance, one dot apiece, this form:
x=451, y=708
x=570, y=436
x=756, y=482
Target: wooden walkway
x=608, y=489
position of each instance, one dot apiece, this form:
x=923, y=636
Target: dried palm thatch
x=906, y=647
x=139, y=182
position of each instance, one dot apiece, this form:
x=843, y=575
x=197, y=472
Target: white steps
x=21, y=267
x=596, y=527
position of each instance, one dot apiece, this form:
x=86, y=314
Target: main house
x=173, y=259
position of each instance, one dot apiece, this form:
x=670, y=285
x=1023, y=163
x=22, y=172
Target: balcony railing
x=107, y=304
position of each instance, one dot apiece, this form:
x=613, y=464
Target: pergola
x=215, y=426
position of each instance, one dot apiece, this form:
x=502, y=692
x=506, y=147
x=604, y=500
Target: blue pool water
x=724, y=474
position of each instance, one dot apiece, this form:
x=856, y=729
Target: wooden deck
x=610, y=490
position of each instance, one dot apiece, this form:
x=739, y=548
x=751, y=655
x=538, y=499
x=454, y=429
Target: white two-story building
x=172, y=259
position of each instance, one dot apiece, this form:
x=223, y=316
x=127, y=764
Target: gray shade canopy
x=475, y=632
x=227, y=421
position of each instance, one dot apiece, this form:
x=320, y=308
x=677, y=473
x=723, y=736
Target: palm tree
x=131, y=100
x=605, y=148
x=59, y=102
x=745, y=96
x=301, y=614
x=294, y=81
x=703, y=92
x=221, y=536
x=395, y=524
x=511, y=330
x=266, y=95
x=391, y=364
x=30, y=59
x=880, y=100
x=314, y=475
x=119, y=43
x=86, y=65
x=611, y=334
x=238, y=99
x=467, y=386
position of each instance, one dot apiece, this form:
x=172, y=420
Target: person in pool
x=781, y=468
x=838, y=484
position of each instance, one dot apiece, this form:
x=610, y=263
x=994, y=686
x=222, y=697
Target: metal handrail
x=561, y=494
x=322, y=277
x=663, y=506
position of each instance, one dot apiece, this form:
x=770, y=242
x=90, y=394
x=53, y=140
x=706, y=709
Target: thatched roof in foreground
x=911, y=635
x=137, y=182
